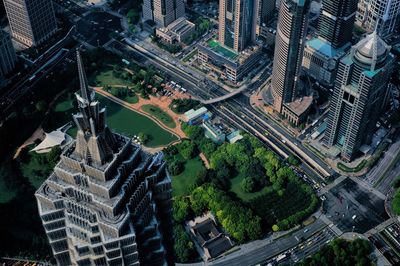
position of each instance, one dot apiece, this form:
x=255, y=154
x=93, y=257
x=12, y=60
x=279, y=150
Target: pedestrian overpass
x=226, y=96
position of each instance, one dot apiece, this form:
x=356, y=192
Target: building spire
x=87, y=95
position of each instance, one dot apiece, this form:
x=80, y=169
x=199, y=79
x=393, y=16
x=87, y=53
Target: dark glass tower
x=336, y=21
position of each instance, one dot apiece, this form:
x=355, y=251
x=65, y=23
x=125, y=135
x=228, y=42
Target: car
x=306, y=230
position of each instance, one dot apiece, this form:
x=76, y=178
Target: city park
x=242, y=184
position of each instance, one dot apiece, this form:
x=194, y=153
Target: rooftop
x=191, y=114
x=222, y=50
x=299, y=106
x=325, y=48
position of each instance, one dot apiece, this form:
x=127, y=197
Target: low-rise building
x=234, y=136
x=321, y=59
x=213, y=132
x=209, y=237
x=225, y=62
x=193, y=117
x=177, y=31
x=296, y=112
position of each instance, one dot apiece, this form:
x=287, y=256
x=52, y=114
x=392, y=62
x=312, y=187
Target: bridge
x=226, y=96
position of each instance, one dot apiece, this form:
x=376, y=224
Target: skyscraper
x=322, y=54
x=107, y=202
x=336, y=21
x=237, y=23
x=7, y=55
x=381, y=15
x=289, y=46
x=31, y=21
x=266, y=10
x=163, y=12
x=359, y=96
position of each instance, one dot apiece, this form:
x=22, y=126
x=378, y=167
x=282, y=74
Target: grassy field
x=245, y=196
x=107, y=78
x=131, y=123
x=129, y=98
x=182, y=182
x=162, y=116
x=119, y=118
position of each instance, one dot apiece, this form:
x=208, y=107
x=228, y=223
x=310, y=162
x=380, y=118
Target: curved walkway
x=136, y=107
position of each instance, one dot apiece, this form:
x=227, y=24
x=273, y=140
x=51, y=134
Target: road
x=262, y=250
x=205, y=90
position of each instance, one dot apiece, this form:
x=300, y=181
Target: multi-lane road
x=238, y=109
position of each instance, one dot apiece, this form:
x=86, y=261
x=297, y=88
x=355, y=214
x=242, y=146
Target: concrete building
x=163, y=12
x=212, y=132
x=289, y=46
x=193, y=117
x=321, y=59
x=360, y=96
x=226, y=63
x=107, y=202
x=335, y=29
x=7, y=56
x=177, y=31
x=381, y=15
x=31, y=21
x=237, y=23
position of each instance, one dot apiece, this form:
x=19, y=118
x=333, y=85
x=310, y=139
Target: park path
x=162, y=103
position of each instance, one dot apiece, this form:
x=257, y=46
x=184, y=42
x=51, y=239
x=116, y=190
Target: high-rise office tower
x=359, y=97
x=336, y=21
x=381, y=15
x=107, y=202
x=7, y=55
x=266, y=9
x=289, y=46
x=163, y=12
x=322, y=54
x=237, y=23
x=31, y=21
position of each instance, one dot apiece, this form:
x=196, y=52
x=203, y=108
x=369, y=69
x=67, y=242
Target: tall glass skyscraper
x=337, y=21
x=31, y=21
x=163, y=12
x=107, y=202
x=7, y=55
x=289, y=46
x=360, y=95
x=237, y=23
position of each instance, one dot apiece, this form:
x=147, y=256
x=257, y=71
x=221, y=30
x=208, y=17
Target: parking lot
x=353, y=208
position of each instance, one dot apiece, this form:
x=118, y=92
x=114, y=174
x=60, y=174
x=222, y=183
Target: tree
x=41, y=106
x=184, y=248
x=53, y=156
x=293, y=160
x=248, y=184
x=144, y=138
x=207, y=147
x=195, y=133
x=181, y=209
x=275, y=228
x=175, y=167
x=187, y=149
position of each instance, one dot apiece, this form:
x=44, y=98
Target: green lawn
x=182, y=182
x=107, y=78
x=131, y=123
x=161, y=115
x=35, y=167
x=130, y=97
x=245, y=196
x=119, y=118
